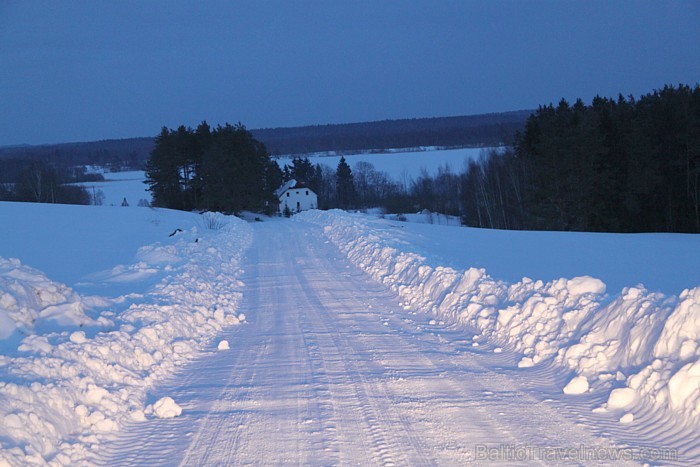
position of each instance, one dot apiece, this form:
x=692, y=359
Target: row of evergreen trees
x=620, y=165
x=617, y=165
x=221, y=169
x=226, y=169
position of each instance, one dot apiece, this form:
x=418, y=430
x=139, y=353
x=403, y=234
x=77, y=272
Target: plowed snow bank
x=642, y=348
x=67, y=387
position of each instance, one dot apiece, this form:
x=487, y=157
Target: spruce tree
x=224, y=170
x=162, y=174
x=344, y=185
x=302, y=170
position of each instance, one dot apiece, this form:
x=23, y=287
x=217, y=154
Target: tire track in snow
x=393, y=430
x=331, y=370
x=352, y=382
x=261, y=391
x=501, y=419
x=158, y=441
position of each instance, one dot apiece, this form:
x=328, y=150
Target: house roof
x=290, y=185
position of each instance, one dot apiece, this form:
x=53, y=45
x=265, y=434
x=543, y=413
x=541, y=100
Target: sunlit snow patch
x=166, y=407
x=223, y=345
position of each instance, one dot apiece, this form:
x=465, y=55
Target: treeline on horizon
x=51, y=168
x=486, y=130
x=115, y=155
x=46, y=174
x=616, y=165
x=35, y=181
x=132, y=153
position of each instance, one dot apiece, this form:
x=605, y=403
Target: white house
x=296, y=197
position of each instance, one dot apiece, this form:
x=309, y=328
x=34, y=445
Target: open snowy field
x=402, y=165
x=364, y=340
x=118, y=186
x=666, y=263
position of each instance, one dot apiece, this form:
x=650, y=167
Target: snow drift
x=81, y=377
x=29, y=299
x=640, y=347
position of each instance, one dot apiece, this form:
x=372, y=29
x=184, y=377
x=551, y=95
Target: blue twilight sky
x=97, y=69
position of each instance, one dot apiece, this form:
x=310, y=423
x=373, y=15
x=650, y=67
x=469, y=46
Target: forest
x=36, y=181
x=133, y=153
x=447, y=132
x=616, y=165
x=222, y=169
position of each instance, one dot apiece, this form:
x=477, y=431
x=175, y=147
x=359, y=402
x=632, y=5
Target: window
x=287, y=194
x=307, y=192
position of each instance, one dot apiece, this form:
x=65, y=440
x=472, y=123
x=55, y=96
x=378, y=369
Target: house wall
x=298, y=199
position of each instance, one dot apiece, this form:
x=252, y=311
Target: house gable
x=296, y=197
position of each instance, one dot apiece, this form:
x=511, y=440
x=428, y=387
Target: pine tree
x=162, y=173
x=234, y=172
x=272, y=180
x=616, y=165
x=344, y=185
x=302, y=170
x=225, y=170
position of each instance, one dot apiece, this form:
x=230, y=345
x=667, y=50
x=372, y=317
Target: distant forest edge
x=484, y=130
x=620, y=164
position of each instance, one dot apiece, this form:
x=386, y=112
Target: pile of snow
x=641, y=347
x=64, y=387
x=578, y=385
x=664, y=263
x=166, y=407
x=223, y=345
x=29, y=300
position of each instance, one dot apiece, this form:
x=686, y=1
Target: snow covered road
x=331, y=369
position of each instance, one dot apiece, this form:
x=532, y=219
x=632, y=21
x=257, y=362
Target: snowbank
x=30, y=300
x=641, y=347
x=67, y=387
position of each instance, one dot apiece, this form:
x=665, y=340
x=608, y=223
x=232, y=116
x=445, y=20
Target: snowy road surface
x=330, y=369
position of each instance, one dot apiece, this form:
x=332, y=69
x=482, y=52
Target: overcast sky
x=89, y=70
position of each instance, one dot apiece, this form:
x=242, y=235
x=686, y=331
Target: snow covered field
x=75, y=366
x=666, y=263
x=365, y=341
x=120, y=185
x=402, y=164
